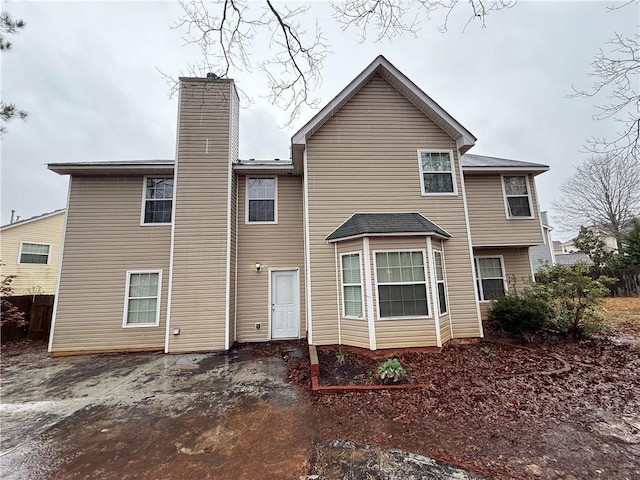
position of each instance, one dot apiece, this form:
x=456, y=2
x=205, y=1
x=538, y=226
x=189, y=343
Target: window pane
x=157, y=211
x=159, y=188
x=490, y=267
x=438, y=183
x=353, y=301
x=261, y=210
x=435, y=162
x=36, y=248
x=143, y=298
x=402, y=300
x=351, y=268
x=33, y=258
x=492, y=289
x=442, y=298
x=394, y=267
x=515, y=185
x=438, y=261
x=262, y=188
x=519, y=206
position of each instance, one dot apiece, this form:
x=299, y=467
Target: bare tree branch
x=603, y=192
x=616, y=71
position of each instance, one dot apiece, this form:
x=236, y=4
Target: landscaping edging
x=316, y=387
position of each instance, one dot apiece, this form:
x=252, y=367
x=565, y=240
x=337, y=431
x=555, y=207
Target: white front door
x=285, y=318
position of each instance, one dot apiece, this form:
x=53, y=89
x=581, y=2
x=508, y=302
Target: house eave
x=397, y=234
x=113, y=168
x=534, y=170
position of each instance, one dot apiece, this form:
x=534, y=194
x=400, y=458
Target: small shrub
x=488, y=351
x=391, y=370
x=520, y=315
x=340, y=357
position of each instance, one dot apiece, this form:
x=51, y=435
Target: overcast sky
x=87, y=74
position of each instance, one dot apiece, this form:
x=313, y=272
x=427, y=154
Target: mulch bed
x=494, y=408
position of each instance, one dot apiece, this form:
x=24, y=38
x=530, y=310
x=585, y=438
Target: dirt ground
x=562, y=411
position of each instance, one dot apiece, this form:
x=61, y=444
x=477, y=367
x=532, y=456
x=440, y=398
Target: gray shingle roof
x=571, y=259
x=470, y=160
x=362, y=224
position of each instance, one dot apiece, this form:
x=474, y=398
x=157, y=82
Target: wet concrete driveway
x=153, y=416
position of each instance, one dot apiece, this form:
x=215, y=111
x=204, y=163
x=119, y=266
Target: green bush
x=521, y=315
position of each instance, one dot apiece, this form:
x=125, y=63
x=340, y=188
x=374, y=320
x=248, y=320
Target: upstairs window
x=489, y=277
x=517, y=196
x=34, y=253
x=436, y=172
x=262, y=200
x=402, y=285
x=158, y=200
x=351, y=285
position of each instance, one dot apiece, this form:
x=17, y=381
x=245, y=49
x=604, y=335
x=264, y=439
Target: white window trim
x=443, y=281
x=246, y=201
x=426, y=283
x=34, y=264
x=506, y=203
x=453, y=173
x=126, y=300
x=344, y=314
x=478, y=280
x=144, y=201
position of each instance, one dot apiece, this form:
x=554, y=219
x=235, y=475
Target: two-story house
x=380, y=231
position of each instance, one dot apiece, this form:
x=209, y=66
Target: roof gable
x=381, y=66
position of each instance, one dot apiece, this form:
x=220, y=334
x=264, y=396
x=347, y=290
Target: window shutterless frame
x=451, y=172
x=127, y=297
x=34, y=252
x=248, y=198
x=346, y=284
x=144, y=201
x=479, y=277
x=507, y=209
x=423, y=253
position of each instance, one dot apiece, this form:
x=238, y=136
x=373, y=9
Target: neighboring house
x=610, y=242
x=543, y=254
x=30, y=250
x=377, y=233
x=557, y=247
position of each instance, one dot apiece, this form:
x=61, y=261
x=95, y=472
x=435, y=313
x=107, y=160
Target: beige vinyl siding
x=364, y=159
x=395, y=333
x=516, y=264
x=198, y=299
x=354, y=331
x=32, y=278
x=104, y=239
x=487, y=216
x=278, y=245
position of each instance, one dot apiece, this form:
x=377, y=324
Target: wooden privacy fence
x=38, y=310
x=627, y=284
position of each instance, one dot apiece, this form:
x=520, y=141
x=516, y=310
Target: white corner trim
x=227, y=289
x=471, y=264
x=434, y=292
x=368, y=285
x=307, y=252
x=54, y=313
x=173, y=229
x=338, y=287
